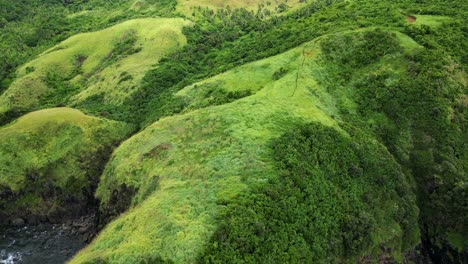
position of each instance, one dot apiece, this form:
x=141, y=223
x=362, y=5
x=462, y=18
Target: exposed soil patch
x=309, y=53
x=411, y=19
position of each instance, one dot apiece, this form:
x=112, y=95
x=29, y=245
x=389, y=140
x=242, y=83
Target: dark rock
x=42, y=218
x=4, y=221
x=85, y=237
x=33, y=220
x=17, y=222
x=77, y=223
x=83, y=229
x=53, y=217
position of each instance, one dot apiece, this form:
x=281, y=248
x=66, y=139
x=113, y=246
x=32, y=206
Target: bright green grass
x=50, y=147
x=431, y=20
x=407, y=42
x=213, y=154
x=186, y=166
x=96, y=72
x=157, y=37
x=300, y=66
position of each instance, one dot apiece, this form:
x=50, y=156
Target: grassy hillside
x=51, y=158
x=324, y=131
x=108, y=63
x=28, y=27
x=185, y=174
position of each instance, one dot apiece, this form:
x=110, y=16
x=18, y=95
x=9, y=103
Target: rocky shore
x=42, y=243
x=83, y=228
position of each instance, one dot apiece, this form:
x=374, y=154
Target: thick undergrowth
x=338, y=197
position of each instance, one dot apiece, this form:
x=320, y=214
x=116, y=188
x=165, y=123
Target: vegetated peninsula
x=194, y=131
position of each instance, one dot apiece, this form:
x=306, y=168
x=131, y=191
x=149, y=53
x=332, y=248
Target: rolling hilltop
x=197, y=131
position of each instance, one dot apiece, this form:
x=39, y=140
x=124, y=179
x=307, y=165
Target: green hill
x=189, y=176
x=51, y=158
x=324, y=131
x=108, y=63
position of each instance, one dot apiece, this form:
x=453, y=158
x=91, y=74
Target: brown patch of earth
x=411, y=19
x=309, y=53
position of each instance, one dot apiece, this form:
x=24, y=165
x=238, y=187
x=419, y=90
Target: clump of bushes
x=336, y=197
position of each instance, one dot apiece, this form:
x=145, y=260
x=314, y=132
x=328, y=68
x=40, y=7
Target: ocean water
x=45, y=244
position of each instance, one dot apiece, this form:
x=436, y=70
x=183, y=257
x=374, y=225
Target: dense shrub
x=331, y=201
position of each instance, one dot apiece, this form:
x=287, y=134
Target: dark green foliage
x=219, y=96
x=126, y=45
x=125, y=76
x=27, y=26
x=349, y=52
x=279, y=73
x=210, y=94
x=325, y=205
x=10, y=115
x=419, y=116
x=450, y=38
x=95, y=105
x=60, y=90
x=438, y=158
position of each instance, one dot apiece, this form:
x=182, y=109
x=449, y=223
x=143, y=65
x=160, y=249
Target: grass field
x=110, y=62
x=184, y=168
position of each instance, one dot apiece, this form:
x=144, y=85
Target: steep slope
x=109, y=63
x=348, y=148
x=51, y=159
x=29, y=27
x=186, y=175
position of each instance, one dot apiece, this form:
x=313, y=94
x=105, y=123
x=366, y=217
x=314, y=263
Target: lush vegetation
x=314, y=79
x=337, y=197
x=109, y=63
x=418, y=114
x=268, y=131
x=51, y=159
